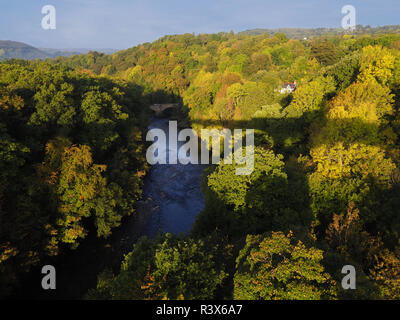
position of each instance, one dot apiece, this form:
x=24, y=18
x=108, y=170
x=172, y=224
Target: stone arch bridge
x=160, y=108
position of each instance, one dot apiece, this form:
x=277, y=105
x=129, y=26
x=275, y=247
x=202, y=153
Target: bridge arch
x=160, y=108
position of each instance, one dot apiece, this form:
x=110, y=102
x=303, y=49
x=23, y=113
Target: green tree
x=325, y=52
x=277, y=267
x=165, y=268
x=311, y=96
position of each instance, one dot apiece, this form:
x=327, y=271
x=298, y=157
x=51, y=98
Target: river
x=173, y=190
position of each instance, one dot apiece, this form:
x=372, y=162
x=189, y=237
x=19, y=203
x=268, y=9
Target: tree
x=54, y=105
x=201, y=93
x=78, y=191
x=378, y=268
x=346, y=71
x=368, y=101
x=260, y=61
x=275, y=267
x=165, y=268
x=357, y=160
x=238, y=204
x=386, y=272
x=304, y=68
x=311, y=96
x=233, y=189
x=100, y=117
x=325, y=52
x=377, y=64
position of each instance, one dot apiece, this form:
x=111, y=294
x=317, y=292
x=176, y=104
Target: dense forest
x=325, y=191
x=71, y=158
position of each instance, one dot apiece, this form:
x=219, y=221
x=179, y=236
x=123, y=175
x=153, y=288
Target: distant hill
x=60, y=52
x=73, y=51
x=19, y=50
x=300, y=33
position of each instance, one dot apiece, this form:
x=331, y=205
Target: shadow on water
x=172, y=191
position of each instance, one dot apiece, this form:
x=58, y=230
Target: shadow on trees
x=287, y=205
x=77, y=269
x=293, y=137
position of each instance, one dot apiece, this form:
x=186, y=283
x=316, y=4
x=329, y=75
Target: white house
x=288, y=87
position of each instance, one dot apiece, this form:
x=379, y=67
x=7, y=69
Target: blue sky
x=122, y=24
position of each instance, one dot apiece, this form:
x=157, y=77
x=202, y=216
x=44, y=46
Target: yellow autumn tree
x=337, y=161
x=353, y=141
x=386, y=272
x=76, y=190
x=377, y=64
x=369, y=101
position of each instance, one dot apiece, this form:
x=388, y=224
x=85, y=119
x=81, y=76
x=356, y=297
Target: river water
x=171, y=201
x=173, y=190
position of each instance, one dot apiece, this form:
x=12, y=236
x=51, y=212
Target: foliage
x=58, y=177
x=275, y=267
x=326, y=162
x=165, y=268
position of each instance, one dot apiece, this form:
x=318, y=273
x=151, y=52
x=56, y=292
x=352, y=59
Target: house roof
x=289, y=84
